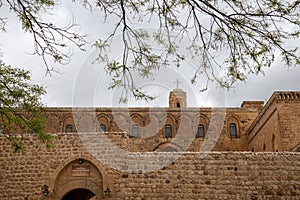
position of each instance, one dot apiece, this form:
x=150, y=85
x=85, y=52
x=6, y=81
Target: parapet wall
x=217, y=176
x=179, y=175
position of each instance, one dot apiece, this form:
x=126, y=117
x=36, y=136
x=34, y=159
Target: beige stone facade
x=72, y=170
x=249, y=152
x=277, y=127
x=251, y=127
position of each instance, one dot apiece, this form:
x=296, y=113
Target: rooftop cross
x=177, y=83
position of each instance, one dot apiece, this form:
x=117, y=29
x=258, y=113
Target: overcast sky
x=81, y=83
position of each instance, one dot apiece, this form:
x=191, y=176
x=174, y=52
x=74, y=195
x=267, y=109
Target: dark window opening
x=233, y=131
x=135, y=131
x=69, y=128
x=102, y=128
x=168, y=131
x=178, y=105
x=200, y=132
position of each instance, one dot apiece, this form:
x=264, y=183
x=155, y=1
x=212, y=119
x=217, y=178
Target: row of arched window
x=168, y=132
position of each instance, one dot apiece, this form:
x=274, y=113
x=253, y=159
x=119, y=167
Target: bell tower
x=177, y=97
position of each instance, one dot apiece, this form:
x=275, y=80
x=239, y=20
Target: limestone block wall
x=288, y=104
x=143, y=175
x=265, y=136
x=152, y=121
x=217, y=176
x=277, y=126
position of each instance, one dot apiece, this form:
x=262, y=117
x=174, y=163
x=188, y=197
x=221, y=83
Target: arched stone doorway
x=79, y=194
x=79, y=180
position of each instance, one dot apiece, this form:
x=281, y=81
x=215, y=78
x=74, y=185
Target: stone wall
x=217, y=176
x=277, y=128
x=264, y=134
x=288, y=104
x=152, y=121
x=138, y=175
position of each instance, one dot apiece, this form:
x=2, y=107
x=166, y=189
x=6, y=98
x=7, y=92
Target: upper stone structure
x=251, y=127
x=177, y=99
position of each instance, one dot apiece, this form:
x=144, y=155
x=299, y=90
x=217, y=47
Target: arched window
x=168, y=131
x=69, y=128
x=135, y=131
x=233, y=130
x=102, y=128
x=200, y=132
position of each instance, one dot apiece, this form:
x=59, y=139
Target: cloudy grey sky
x=81, y=83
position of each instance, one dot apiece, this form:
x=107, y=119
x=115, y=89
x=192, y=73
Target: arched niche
x=67, y=121
x=103, y=120
x=200, y=120
x=136, y=119
x=169, y=125
x=233, y=127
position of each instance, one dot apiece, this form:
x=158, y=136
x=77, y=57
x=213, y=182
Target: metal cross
x=177, y=83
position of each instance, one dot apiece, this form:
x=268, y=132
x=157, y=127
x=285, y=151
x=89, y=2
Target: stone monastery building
x=249, y=152
x=252, y=127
